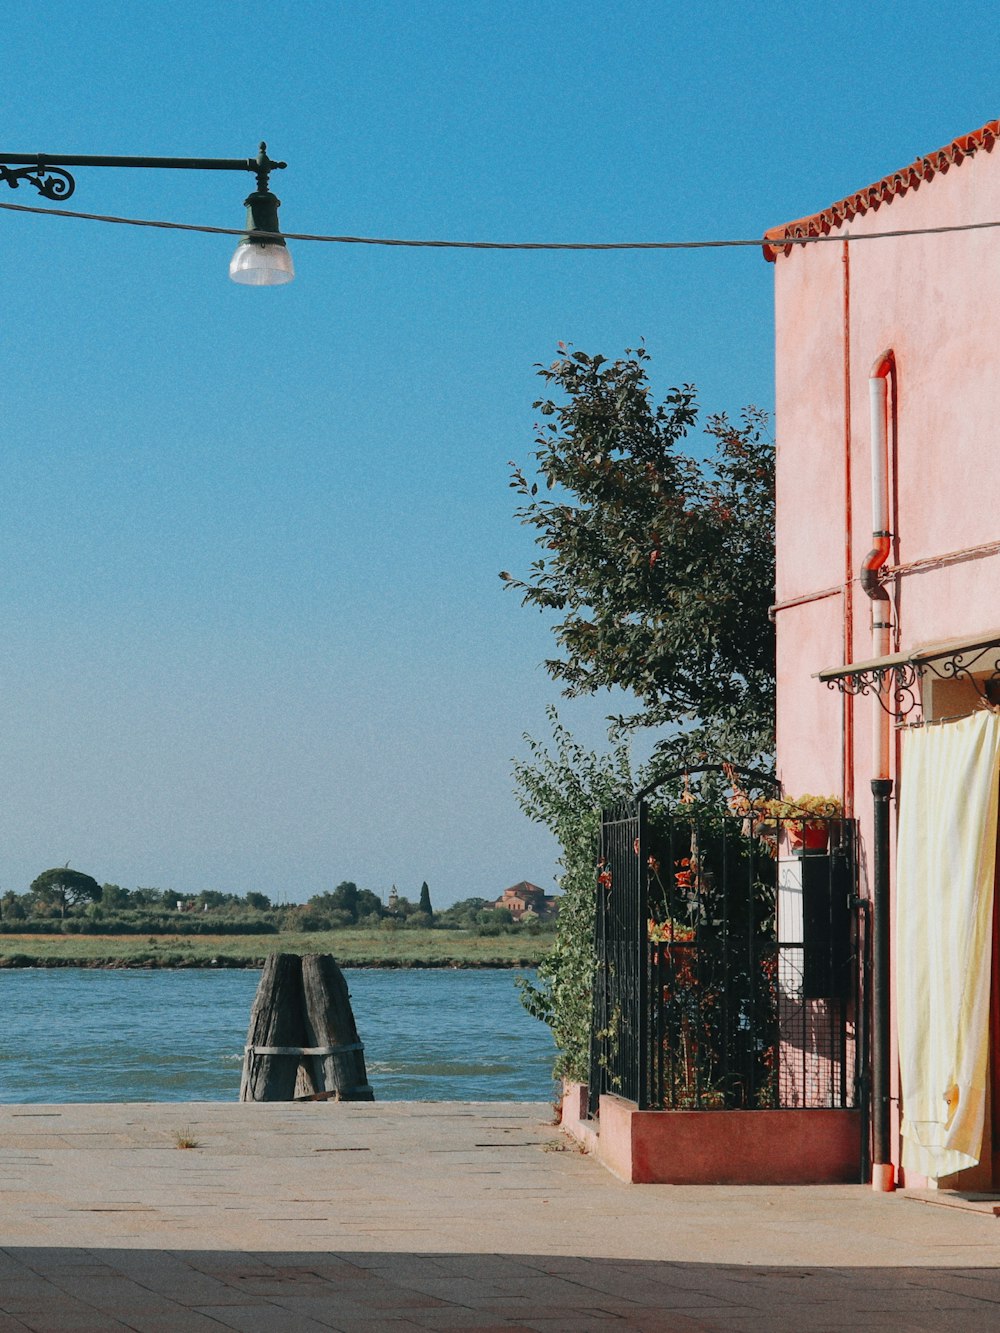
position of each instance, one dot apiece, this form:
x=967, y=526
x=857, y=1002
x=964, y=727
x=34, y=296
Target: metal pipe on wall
x=847, y=699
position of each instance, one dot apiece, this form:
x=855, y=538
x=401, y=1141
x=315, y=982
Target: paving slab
x=447, y=1216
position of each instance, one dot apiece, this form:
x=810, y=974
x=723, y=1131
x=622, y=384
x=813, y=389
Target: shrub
x=419, y=921
x=565, y=791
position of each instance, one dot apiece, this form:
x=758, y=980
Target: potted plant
x=805, y=819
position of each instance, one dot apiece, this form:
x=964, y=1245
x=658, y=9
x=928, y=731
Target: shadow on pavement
x=49, y=1290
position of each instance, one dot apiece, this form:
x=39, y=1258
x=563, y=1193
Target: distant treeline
x=69, y=902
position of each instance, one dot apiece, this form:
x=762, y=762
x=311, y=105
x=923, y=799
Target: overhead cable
x=767, y=242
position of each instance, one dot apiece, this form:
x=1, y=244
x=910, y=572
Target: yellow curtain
x=946, y=855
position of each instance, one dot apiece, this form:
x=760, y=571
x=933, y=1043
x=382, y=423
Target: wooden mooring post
x=302, y=1043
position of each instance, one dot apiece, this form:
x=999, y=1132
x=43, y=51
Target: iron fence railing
x=729, y=962
x=619, y=1029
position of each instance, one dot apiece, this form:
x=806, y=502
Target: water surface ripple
x=87, y=1035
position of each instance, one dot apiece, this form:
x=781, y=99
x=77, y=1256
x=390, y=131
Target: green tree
x=368, y=905
x=258, y=902
x=659, y=566
x=152, y=897
x=660, y=562
x=64, y=888
x=348, y=899
x=425, y=901
x=212, y=898
x=462, y=913
x=565, y=791
x=12, y=907
x=345, y=898
x=113, y=896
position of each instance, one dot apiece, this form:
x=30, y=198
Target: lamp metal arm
x=45, y=170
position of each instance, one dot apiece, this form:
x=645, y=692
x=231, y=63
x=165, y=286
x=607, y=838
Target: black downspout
x=862, y=1049
x=881, y=1044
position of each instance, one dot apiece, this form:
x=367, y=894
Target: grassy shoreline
x=351, y=948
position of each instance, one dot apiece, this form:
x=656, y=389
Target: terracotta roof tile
x=884, y=191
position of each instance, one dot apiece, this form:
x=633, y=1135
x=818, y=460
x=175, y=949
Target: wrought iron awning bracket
x=896, y=685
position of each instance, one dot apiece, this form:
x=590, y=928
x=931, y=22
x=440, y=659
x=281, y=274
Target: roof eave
x=883, y=191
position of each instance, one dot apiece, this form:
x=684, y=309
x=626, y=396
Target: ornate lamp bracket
x=47, y=171
x=50, y=182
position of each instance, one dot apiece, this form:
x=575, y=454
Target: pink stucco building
x=888, y=410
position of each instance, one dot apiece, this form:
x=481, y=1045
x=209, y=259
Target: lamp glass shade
x=261, y=265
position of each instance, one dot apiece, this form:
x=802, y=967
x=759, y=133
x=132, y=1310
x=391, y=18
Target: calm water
x=82, y=1035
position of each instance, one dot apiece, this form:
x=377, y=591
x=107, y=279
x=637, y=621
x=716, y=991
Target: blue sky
x=253, y=635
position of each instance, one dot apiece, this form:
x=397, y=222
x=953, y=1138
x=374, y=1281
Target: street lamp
x=261, y=258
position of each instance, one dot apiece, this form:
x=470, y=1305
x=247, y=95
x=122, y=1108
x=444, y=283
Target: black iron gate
x=729, y=962
x=619, y=1037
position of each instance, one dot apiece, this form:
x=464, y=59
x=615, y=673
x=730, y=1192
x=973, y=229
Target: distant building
x=522, y=898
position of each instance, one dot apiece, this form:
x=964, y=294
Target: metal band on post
x=303, y=1050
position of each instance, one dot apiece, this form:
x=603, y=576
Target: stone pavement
x=444, y=1216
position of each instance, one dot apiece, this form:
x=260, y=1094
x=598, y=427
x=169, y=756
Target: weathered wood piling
x=329, y=1023
x=276, y=1025
x=302, y=1042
